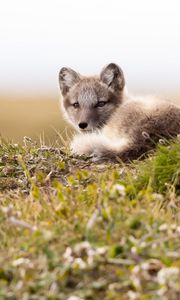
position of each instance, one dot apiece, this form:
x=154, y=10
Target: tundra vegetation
x=74, y=229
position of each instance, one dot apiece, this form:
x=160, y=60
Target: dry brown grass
x=37, y=118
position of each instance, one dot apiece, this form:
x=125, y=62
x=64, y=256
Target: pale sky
x=38, y=37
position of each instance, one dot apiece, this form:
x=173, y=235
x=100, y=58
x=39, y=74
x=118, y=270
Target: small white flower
x=101, y=250
x=67, y=253
x=163, y=227
x=132, y=295
x=79, y=263
x=82, y=246
x=74, y=298
x=19, y=285
x=120, y=188
x=134, y=249
x=136, y=269
x=91, y=252
x=21, y=261
x=166, y=274
x=178, y=229
x=143, y=244
x=90, y=261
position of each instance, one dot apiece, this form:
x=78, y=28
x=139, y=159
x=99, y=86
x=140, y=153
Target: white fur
x=95, y=143
x=147, y=102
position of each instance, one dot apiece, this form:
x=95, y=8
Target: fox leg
x=99, y=145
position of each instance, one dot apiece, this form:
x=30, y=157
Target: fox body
x=111, y=124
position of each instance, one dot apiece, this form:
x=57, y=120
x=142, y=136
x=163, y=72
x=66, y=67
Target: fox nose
x=83, y=125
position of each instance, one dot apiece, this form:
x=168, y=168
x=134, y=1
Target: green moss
x=161, y=171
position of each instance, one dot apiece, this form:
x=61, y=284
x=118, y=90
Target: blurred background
x=38, y=37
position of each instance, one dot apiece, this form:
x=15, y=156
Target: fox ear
x=67, y=78
x=113, y=77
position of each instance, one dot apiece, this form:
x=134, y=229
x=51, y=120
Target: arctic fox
x=110, y=124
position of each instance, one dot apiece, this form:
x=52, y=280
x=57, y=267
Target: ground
x=74, y=229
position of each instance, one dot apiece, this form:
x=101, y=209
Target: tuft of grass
x=73, y=228
x=161, y=172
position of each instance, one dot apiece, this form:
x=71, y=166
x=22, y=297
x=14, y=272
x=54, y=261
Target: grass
x=34, y=116
x=72, y=229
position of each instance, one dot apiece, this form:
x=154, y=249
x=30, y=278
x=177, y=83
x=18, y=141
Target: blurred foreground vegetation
x=73, y=229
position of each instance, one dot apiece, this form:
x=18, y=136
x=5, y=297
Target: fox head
x=88, y=102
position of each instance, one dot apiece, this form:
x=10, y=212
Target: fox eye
x=76, y=105
x=100, y=104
